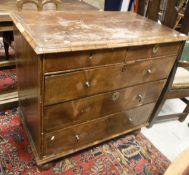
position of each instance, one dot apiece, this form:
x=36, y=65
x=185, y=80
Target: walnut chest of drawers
x=87, y=77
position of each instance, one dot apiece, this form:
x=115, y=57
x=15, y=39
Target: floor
x=171, y=138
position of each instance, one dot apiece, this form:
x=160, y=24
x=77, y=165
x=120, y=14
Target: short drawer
x=78, y=60
x=150, y=51
x=77, y=137
x=90, y=108
x=69, y=86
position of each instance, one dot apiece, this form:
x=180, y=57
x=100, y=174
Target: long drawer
x=93, y=132
x=69, y=86
x=77, y=60
x=90, y=108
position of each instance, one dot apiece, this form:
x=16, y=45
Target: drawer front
x=68, y=61
x=150, y=51
x=91, y=133
x=78, y=60
x=69, y=86
x=90, y=108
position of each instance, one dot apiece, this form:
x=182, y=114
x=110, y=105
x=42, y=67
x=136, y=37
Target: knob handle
x=52, y=138
x=87, y=84
x=140, y=97
x=155, y=48
x=130, y=119
x=115, y=96
x=77, y=137
x=149, y=71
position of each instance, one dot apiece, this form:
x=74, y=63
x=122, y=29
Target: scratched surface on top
x=66, y=31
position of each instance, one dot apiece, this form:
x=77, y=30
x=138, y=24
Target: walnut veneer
x=8, y=100
x=89, y=77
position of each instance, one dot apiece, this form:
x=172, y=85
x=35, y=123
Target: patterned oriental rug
x=127, y=155
x=7, y=79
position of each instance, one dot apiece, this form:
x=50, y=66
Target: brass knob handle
x=139, y=97
x=115, y=96
x=155, y=48
x=149, y=71
x=77, y=137
x=52, y=138
x=87, y=84
x=130, y=119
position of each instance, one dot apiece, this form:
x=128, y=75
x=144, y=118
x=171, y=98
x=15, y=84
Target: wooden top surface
x=6, y=6
x=50, y=32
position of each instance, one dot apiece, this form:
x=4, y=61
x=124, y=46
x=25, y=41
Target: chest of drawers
x=88, y=77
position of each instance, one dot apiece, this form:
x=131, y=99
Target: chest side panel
x=29, y=90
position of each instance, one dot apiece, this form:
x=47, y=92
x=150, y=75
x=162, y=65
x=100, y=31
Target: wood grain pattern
x=185, y=23
x=150, y=51
x=70, y=31
x=68, y=86
x=153, y=9
x=6, y=24
x=71, y=103
x=141, y=7
x=170, y=14
x=80, y=60
x=91, y=132
x=177, y=93
x=76, y=60
x=29, y=91
x=86, y=109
